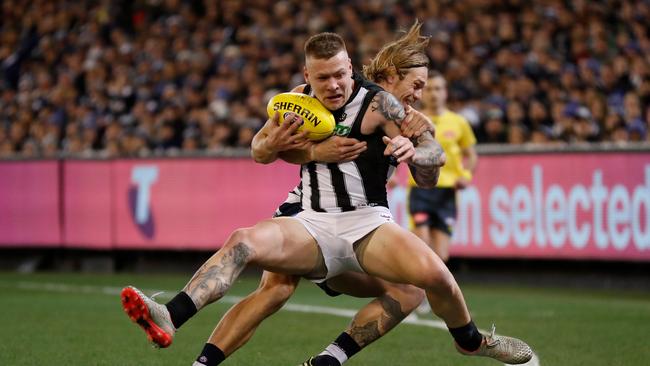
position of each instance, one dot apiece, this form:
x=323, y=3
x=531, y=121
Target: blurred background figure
x=433, y=211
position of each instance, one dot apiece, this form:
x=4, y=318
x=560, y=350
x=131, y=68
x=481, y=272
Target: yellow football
x=317, y=119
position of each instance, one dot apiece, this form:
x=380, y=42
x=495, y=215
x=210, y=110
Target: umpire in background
x=434, y=210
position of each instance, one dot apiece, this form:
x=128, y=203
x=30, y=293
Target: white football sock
x=336, y=352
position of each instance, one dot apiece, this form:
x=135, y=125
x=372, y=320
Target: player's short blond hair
x=324, y=45
x=407, y=52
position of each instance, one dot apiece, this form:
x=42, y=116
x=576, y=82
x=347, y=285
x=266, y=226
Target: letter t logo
x=143, y=176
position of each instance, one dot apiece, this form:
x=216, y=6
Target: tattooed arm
x=426, y=163
x=428, y=158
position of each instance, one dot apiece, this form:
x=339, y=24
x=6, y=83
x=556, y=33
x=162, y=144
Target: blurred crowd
x=141, y=77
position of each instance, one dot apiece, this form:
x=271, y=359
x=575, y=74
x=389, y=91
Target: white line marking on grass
x=296, y=308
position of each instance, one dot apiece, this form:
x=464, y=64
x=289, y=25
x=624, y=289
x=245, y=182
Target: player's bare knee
x=415, y=297
x=409, y=297
x=238, y=236
x=280, y=293
x=241, y=244
x=437, y=279
x=443, y=283
x=276, y=289
x=259, y=237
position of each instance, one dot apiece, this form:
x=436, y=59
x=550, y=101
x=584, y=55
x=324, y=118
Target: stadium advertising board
x=580, y=206
x=29, y=204
x=574, y=206
x=180, y=204
x=87, y=204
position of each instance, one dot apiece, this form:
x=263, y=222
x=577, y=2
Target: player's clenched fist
x=416, y=123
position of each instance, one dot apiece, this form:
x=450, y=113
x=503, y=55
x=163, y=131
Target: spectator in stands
x=517, y=134
x=494, y=127
x=161, y=68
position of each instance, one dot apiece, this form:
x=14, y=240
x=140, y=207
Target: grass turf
x=83, y=324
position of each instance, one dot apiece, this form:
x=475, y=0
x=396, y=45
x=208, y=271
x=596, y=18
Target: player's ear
x=305, y=73
x=391, y=75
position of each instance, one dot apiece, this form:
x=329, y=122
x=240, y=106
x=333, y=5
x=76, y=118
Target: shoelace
x=490, y=340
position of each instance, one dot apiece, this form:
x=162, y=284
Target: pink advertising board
x=88, y=204
x=572, y=206
x=29, y=204
x=195, y=203
x=578, y=206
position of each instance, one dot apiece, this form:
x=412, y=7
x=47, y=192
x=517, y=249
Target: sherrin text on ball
x=317, y=120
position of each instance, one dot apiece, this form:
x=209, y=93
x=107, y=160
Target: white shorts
x=336, y=234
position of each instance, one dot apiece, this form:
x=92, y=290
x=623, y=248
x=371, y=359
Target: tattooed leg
x=372, y=321
x=375, y=320
x=216, y=275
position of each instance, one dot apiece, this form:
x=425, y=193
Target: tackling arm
x=428, y=157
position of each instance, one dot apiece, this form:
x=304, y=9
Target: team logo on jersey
x=341, y=130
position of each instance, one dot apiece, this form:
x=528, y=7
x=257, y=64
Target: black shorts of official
x=434, y=207
x=289, y=209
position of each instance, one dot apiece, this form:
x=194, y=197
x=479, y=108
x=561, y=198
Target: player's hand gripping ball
x=318, y=121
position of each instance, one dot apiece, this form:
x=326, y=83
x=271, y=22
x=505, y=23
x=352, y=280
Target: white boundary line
x=297, y=308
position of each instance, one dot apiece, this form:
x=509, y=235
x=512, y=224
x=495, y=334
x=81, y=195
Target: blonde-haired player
x=434, y=210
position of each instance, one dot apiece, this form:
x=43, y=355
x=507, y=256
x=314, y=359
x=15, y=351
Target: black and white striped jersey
x=340, y=187
x=291, y=206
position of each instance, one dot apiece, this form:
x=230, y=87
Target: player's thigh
x=397, y=255
x=358, y=284
x=363, y=285
x=282, y=245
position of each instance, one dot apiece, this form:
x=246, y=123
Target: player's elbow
x=425, y=175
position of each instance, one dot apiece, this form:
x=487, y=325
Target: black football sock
x=181, y=308
x=468, y=337
x=347, y=344
x=324, y=360
x=211, y=355
x=342, y=348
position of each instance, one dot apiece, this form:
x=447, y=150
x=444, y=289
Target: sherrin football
x=317, y=119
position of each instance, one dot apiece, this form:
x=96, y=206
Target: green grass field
x=75, y=319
